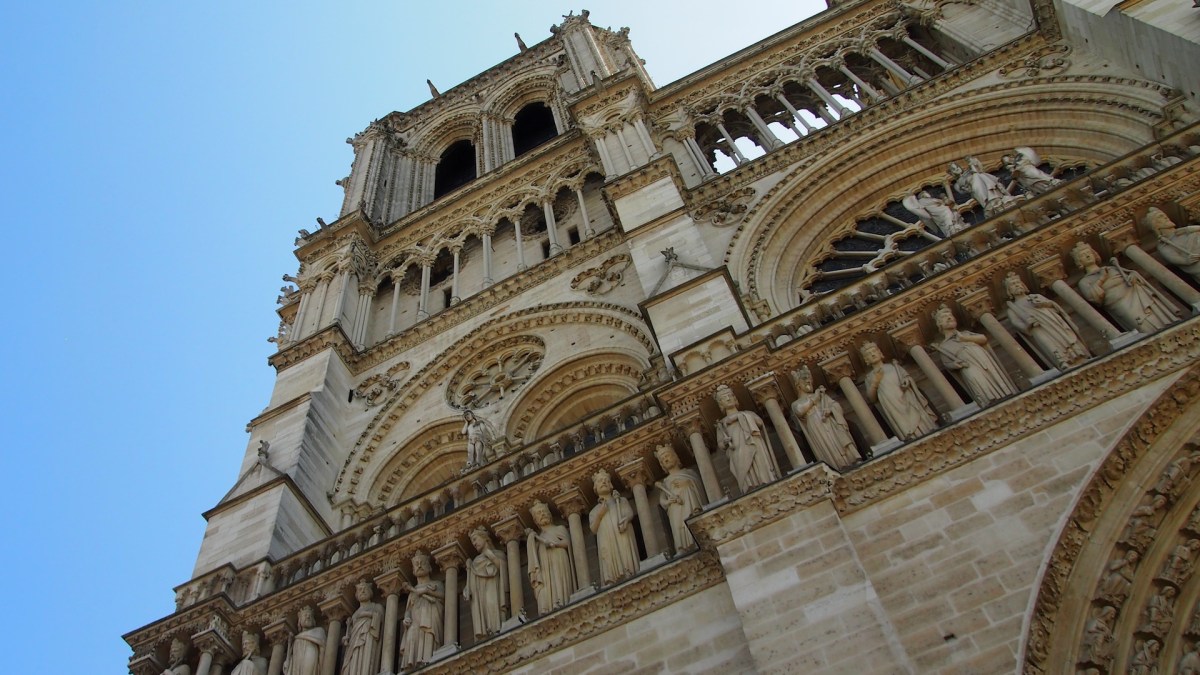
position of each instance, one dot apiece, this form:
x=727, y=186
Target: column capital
x=1121, y=237
x=908, y=334
x=391, y=581
x=571, y=500
x=337, y=605
x=635, y=472
x=764, y=388
x=1048, y=270
x=977, y=302
x=450, y=555
x=691, y=421
x=145, y=664
x=214, y=639
x=510, y=528
x=838, y=366
x=279, y=630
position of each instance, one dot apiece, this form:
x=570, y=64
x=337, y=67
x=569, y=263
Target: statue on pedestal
x=1179, y=246
x=177, y=659
x=1127, y=296
x=969, y=354
x=1043, y=321
x=937, y=214
x=616, y=543
x=487, y=584
x=551, y=570
x=479, y=439
x=252, y=662
x=678, y=495
x=903, y=405
x=361, y=653
x=743, y=437
x=1023, y=164
x=423, y=614
x=822, y=423
x=983, y=186
x=305, y=657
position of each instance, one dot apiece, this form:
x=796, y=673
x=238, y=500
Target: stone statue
x=305, y=657
x=1145, y=658
x=1182, y=560
x=616, y=543
x=487, y=584
x=969, y=354
x=678, y=495
x=1023, y=164
x=423, y=614
x=252, y=662
x=479, y=439
x=361, y=653
x=1124, y=293
x=821, y=421
x=1160, y=612
x=983, y=186
x=551, y=571
x=1189, y=663
x=177, y=659
x=1098, y=637
x=744, y=439
x=1140, y=530
x=1179, y=246
x=1045, y=324
x=1119, y=577
x=903, y=406
x=941, y=215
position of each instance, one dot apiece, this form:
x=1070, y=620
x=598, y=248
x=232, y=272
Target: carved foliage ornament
x=491, y=377
x=726, y=211
x=1048, y=60
x=604, y=277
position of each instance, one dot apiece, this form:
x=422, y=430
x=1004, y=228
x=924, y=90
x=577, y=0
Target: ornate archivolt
x=1068, y=117
x=363, y=466
x=429, y=458
x=490, y=377
x=1119, y=592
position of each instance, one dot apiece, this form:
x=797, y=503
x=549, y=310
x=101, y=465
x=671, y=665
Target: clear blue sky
x=157, y=161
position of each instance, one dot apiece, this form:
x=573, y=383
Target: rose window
x=491, y=378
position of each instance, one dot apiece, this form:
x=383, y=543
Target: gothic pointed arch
x=1119, y=588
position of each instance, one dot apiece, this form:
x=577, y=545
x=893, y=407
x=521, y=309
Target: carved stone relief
x=604, y=277
x=490, y=378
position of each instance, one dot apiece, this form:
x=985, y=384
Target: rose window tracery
x=894, y=231
x=492, y=377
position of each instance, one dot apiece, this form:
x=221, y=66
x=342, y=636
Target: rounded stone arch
x=366, y=458
x=574, y=390
x=1149, y=479
x=420, y=462
x=521, y=91
x=1072, y=117
x=446, y=129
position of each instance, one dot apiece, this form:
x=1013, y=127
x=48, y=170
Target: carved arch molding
x=1120, y=593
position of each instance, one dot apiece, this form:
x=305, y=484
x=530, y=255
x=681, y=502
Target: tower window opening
x=455, y=169
x=573, y=235
x=532, y=126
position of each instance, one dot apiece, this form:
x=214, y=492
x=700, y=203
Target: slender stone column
x=862, y=84
x=279, y=633
x=390, y=583
x=823, y=93
x=551, y=227
x=765, y=390
x=768, y=137
x=454, y=297
x=365, y=292
x=206, y=661
x=337, y=609
x=882, y=59
x=1125, y=239
x=909, y=335
x=702, y=164
x=738, y=158
x=625, y=146
x=840, y=369
x=450, y=558
x=487, y=259
x=396, y=279
x=1049, y=272
x=808, y=128
x=708, y=475
x=306, y=291
x=520, y=243
x=586, y=231
x=511, y=531
x=214, y=648
x=339, y=303
x=928, y=54
x=644, y=134
x=979, y=305
x=605, y=158
x=636, y=474
x=573, y=503
x=423, y=304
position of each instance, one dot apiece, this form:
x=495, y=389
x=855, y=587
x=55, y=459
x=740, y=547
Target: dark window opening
x=447, y=296
x=532, y=126
x=455, y=169
x=546, y=249
x=573, y=235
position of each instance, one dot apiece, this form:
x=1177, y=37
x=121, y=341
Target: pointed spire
x=520, y=42
x=432, y=89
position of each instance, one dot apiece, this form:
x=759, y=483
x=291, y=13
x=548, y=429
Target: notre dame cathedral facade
x=869, y=348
